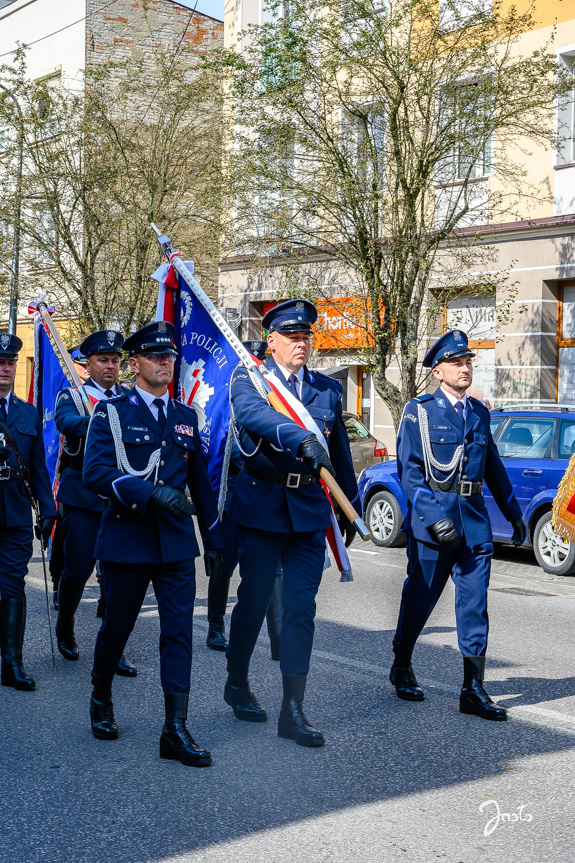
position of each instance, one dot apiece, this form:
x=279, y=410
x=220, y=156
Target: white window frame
x=46, y=229
x=453, y=14
x=564, y=119
x=450, y=174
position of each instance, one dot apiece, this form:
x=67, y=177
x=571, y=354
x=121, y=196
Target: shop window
x=475, y=315
x=565, y=388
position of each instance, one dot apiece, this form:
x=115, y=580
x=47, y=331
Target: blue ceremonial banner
x=49, y=379
x=204, y=367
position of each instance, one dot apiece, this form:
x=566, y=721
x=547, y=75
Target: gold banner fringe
x=562, y=521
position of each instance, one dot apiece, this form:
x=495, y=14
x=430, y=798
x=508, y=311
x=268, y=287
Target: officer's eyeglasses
x=160, y=358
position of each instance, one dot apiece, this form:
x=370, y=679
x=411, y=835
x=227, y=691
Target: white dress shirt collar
x=149, y=398
x=115, y=388
x=286, y=373
x=453, y=399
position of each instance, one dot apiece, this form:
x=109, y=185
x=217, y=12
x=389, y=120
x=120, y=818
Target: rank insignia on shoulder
x=134, y=400
x=187, y=430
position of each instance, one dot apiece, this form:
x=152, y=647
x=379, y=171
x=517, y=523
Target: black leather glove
x=172, y=500
x=314, y=456
x=346, y=527
x=519, y=532
x=214, y=563
x=445, y=533
x=44, y=528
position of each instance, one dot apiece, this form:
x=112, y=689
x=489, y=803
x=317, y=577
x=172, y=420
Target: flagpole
x=250, y=363
x=42, y=308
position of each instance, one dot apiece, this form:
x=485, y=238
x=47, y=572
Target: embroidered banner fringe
x=563, y=521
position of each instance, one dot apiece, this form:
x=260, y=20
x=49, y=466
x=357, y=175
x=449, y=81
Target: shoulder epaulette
x=477, y=402
x=425, y=397
x=116, y=398
x=184, y=405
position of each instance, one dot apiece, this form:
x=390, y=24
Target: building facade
x=529, y=357
x=67, y=38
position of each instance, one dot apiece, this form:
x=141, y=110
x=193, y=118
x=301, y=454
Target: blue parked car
x=535, y=443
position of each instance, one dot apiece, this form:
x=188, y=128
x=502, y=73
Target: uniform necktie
x=293, y=385
x=460, y=409
x=159, y=403
x=3, y=411
x=109, y=394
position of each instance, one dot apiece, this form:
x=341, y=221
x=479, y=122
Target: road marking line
x=380, y=672
x=363, y=551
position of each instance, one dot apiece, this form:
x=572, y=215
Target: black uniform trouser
x=15, y=554
x=302, y=556
x=428, y=570
x=81, y=527
x=125, y=587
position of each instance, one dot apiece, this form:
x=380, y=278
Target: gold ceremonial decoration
x=563, y=521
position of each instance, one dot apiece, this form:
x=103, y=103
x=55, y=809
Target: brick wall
x=135, y=27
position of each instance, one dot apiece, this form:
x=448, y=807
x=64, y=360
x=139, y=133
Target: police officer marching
x=218, y=591
x=143, y=450
x=283, y=513
x=82, y=508
x=445, y=452
x=23, y=477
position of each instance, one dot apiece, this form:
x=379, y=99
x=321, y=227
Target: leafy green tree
x=370, y=141
x=134, y=142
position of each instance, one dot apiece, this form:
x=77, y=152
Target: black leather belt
x=463, y=488
x=291, y=480
x=7, y=472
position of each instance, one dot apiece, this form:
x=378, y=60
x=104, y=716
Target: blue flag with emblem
x=204, y=366
x=49, y=379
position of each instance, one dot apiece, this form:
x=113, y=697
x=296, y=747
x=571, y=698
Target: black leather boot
x=176, y=741
x=293, y=723
x=274, y=618
x=69, y=596
x=402, y=675
x=474, y=699
x=102, y=710
x=238, y=694
x=126, y=668
x=12, y=625
x=217, y=604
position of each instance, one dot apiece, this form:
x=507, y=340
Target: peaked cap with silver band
x=10, y=345
x=293, y=316
x=452, y=344
x=155, y=338
x=102, y=342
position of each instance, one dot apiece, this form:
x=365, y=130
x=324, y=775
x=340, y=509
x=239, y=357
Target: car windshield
x=526, y=438
x=355, y=429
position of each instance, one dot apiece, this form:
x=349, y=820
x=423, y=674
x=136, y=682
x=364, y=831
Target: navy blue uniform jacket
x=25, y=426
x=130, y=532
x=482, y=464
x=272, y=506
x=74, y=427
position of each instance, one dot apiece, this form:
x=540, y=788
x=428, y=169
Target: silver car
x=365, y=449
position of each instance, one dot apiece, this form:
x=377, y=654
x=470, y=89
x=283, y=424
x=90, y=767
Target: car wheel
x=554, y=554
x=384, y=519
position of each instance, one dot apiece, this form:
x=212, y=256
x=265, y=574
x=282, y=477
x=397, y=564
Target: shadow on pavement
x=68, y=796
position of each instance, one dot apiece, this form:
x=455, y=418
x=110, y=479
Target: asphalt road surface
x=395, y=781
